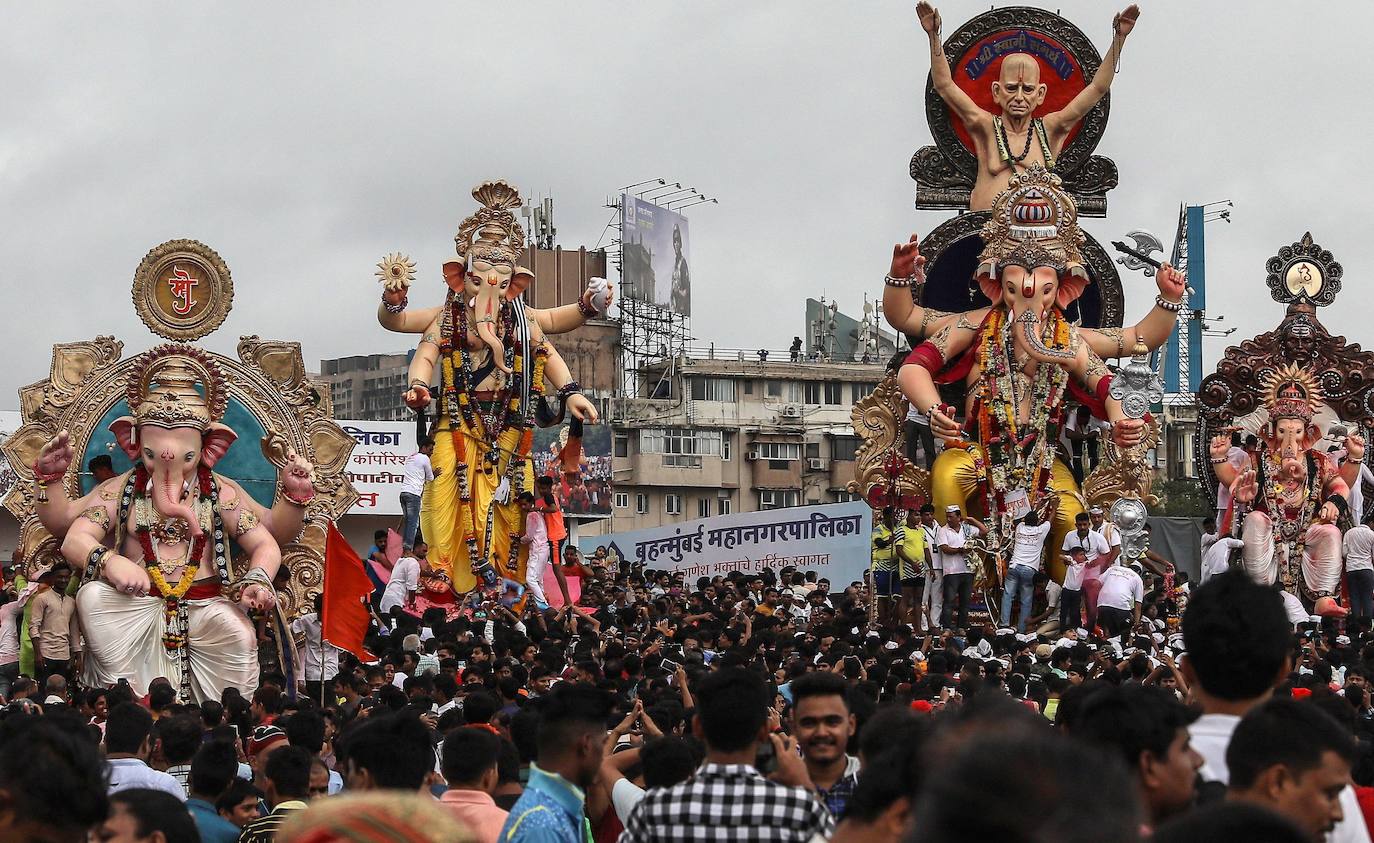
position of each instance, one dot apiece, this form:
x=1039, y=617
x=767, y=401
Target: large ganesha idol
x=497, y=375
x=174, y=553
x=1021, y=360
x=1292, y=495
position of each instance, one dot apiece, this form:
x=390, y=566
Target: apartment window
x=713, y=389
x=726, y=448
x=622, y=500
x=703, y=507
x=622, y=445
x=748, y=387
x=812, y=391
x=844, y=448
x=672, y=504
x=832, y=392
x=723, y=506
x=641, y=503
x=860, y=391
x=778, y=450
x=792, y=391
x=778, y=498
x=679, y=440
x=773, y=389
x=813, y=450
x=844, y=497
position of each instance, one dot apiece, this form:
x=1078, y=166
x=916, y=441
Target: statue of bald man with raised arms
x=1014, y=140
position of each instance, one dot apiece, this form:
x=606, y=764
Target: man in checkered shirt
x=728, y=799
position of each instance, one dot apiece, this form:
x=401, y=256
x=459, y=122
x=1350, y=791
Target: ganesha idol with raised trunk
x=1021, y=360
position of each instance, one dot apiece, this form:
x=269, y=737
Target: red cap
x=922, y=706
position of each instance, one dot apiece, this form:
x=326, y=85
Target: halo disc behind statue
x=182, y=290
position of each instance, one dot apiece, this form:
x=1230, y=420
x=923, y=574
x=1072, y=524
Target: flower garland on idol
x=1017, y=457
x=506, y=411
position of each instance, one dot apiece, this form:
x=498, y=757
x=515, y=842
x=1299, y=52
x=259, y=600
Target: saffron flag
x=346, y=585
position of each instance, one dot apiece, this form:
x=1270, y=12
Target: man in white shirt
x=1358, y=547
x=1118, y=603
x=1027, y=555
x=128, y=730
x=1217, y=558
x=536, y=537
x=1098, y=557
x=1071, y=594
x=405, y=580
x=1210, y=534
x=320, y=659
x=933, y=599
x=952, y=538
x=417, y=472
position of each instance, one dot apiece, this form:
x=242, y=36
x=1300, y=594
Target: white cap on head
x=954, y=507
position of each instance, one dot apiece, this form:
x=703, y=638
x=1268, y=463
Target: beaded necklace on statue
x=1017, y=457
x=1035, y=130
x=1289, y=533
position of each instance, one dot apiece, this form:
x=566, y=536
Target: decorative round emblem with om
x=182, y=290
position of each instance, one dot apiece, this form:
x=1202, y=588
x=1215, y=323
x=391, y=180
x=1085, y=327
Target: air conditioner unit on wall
x=791, y=411
x=815, y=464
x=751, y=456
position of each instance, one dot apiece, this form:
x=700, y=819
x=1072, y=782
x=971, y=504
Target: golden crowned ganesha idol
x=1021, y=361
x=154, y=542
x=1289, y=496
x=497, y=375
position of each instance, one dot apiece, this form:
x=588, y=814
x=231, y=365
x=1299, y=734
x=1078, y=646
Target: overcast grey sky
x=305, y=140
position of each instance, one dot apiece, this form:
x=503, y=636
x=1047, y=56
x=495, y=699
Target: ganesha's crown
x=1034, y=222
x=1292, y=393
x=176, y=385
x=492, y=233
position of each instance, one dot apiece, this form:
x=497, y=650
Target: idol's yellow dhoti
x=446, y=520
x=954, y=481
x=123, y=637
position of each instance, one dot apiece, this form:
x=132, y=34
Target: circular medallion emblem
x=1304, y=278
x=182, y=290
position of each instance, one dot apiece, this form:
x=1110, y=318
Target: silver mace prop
x=1137, y=386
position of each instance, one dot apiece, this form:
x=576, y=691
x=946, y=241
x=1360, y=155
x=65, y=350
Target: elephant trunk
x=1028, y=340
x=485, y=312
x=167, y=490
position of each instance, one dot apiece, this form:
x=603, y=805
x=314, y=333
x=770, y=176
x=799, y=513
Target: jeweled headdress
x=176, y=385
x=1292, y=393
x=492, y=234
x=1034, y=222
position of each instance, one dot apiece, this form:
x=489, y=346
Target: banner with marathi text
x=831, y=539
x=377, y=465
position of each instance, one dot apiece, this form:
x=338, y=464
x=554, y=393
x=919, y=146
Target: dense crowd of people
x=767, y=706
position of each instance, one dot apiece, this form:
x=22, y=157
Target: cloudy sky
x=305, y=140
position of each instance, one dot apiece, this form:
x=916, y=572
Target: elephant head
x=1032, y=260
x=1292, y=430
x=172, y=456
x=488, y=244
x=177, y=394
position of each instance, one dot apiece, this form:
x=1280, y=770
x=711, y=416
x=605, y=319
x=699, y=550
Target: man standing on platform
x=417, y=472
x=53, y=626
x=320, y=658
x=952, y=539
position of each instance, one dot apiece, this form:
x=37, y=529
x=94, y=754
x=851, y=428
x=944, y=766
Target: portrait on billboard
x=655, y=254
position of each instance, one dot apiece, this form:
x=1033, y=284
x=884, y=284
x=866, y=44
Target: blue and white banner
x=832, y=539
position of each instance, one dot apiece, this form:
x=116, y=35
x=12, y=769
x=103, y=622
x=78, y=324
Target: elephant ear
x=519, y=282
x=127, y=435
x=216, y=443
x=988, y=282
x=1071, y=286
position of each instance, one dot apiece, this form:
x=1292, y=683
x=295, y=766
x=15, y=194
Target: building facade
x=368, y=386
x=738, y=435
